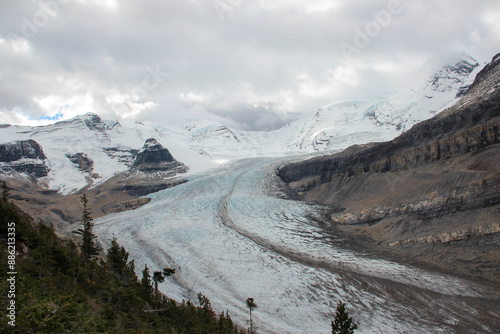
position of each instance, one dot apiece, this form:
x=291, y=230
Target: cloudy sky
x=251, y=64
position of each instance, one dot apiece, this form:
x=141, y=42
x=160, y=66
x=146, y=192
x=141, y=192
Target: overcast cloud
x=250, y=64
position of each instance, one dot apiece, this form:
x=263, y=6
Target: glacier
x=231, y=235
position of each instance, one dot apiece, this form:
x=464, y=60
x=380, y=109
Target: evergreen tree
x=251, y=305
x=117, y=258
x=5, y=211
x=146, y=285
x=226, y=324
x=88, y=246
x=159, y=277
x=5, y=192
x=343, y=322
x=207, y=313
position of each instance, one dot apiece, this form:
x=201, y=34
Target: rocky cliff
x=154, y=158
x=25, y=156
x=82, y=161
x=432, y=193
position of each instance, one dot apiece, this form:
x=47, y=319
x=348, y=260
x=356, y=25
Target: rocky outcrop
x=144, y=189
x=474, y=196
x=154, y=158
x=122, y=154
x=152, y=153
x=94, y=122
x=453, y=236
x=125, y=206
x=82, y=161
x=25, y=156
x=24, y=149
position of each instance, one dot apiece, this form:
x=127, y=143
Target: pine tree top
x=343, y=323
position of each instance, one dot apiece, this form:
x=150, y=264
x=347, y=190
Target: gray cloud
x=251, y=64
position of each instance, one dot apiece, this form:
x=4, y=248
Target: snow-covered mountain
x=341, y=124
x=88, y=150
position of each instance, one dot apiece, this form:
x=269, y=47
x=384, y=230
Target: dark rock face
x=36, y=170
x=410, y=150
x=125, y=206
x=121, y=154
x=144, y=189
x=153, y=157
x=27, y=149
x=152, y=153
x=13, y=156
x=462, y=90
x=94, y=122
x=488, y=71
x=82, y=161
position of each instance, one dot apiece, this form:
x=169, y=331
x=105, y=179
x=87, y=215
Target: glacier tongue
x=231, y=237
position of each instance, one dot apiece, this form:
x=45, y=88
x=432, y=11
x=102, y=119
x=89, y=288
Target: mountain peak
x=151, y=144
x=496, y=57
x=90, y=115
x=153, y=152
x=154, y=158
x=93, y=122
x=451, y=77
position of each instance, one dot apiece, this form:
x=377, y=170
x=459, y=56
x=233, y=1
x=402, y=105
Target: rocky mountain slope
x=432, y=193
